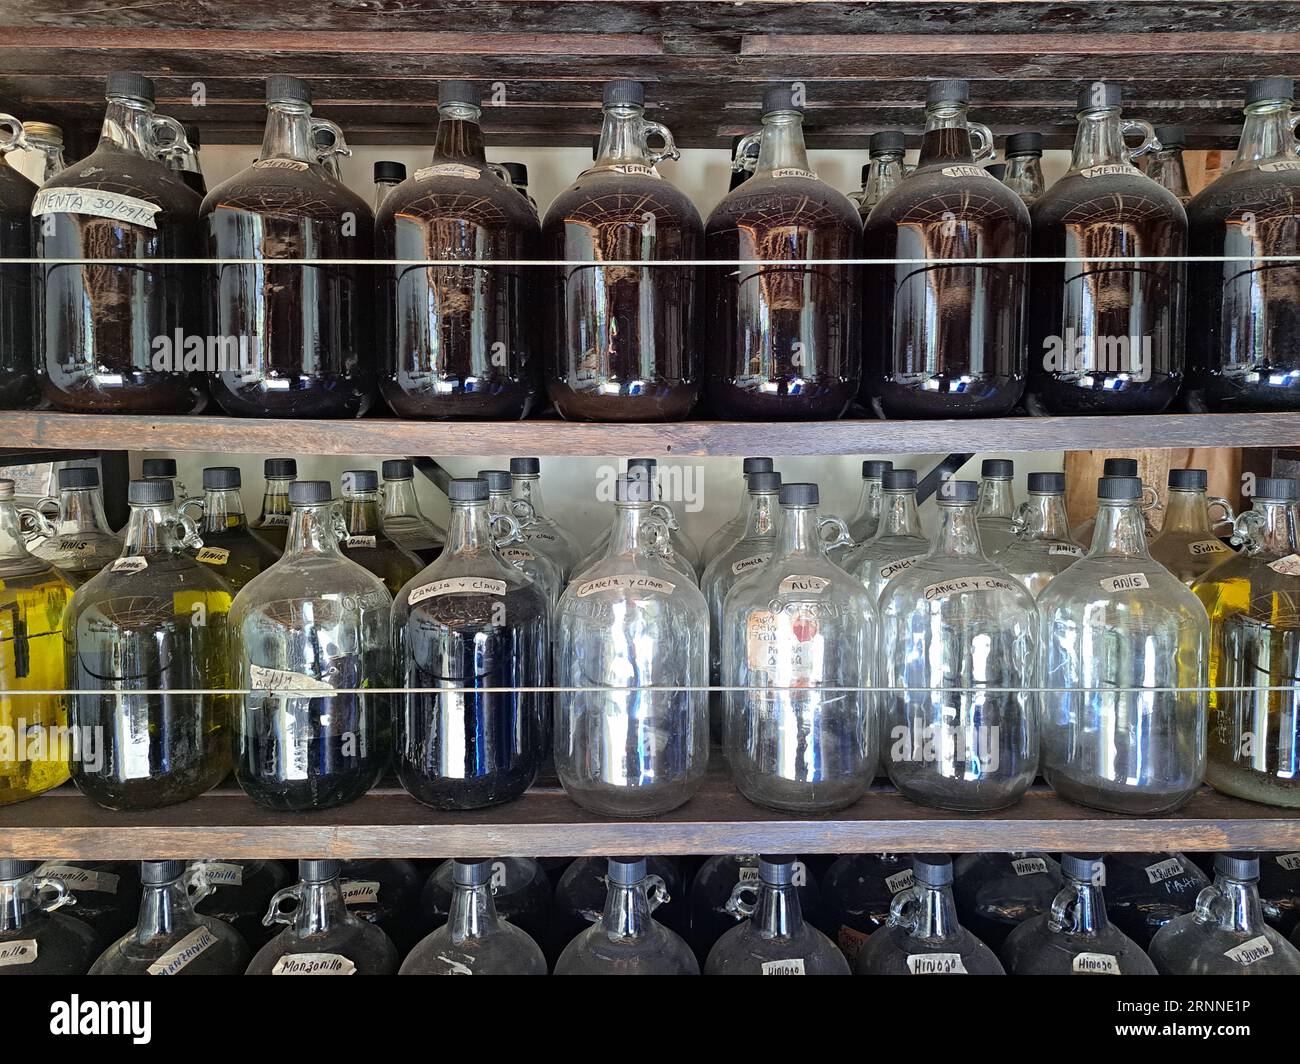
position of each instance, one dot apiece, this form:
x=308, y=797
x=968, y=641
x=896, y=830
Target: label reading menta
x=281, y=164
x=458, y=585
x=100, y=204
x=794, y=171
x=628, y=582
x=936, y=964
x=471, y=173
x=965, y=171
x=640, y=169
x=1278, y=167
x=1107, y=169
x=1095, y=964
x=791, y=966
x=184, y=952
x=1127, y=582
x=314, y=964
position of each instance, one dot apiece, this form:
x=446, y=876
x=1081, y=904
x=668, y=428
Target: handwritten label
x=965, y=584
x=635, y=168
x=545, y=537
x=1028, y=866
x=746, y=565
x=130, y=565
x=469, y=173
x=1289, y=861
x=791, y=966
x=263, y=678
x=936, y=964
x=805, y=585
x=1095, y=964
x=1288, y=566
x=361, y=892
x=1206, y=546
x=900, y=881
x=359, y=541
x=1068, y=549
x=96, y=202
x=518, y=554
x=281, y=164
x=1279, y=167
x=19, y=951
x=851, y=940
x=458, y=585
x=274, y=521
x=184, y=952
x=748, y=874
x=1107, y=169
x=1164, y=870
x=625, y=583
x=1127, y=582
x=73, y=546
x=81, y=879
x=965, y=171
x=887, y=571
x=1249, y=952
x=214, y=555
x=223, y=873
x=793, y=171
x=314, y=964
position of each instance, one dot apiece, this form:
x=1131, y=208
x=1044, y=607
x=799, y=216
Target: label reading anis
x=314, y=964
x=794, y=171
x=965, y=584
x=96, y=202
x=1279, y=167
x=936, y=964
x=458, y=585
x=19, y=951
x=1288, y=566
x=806, y=585
x=1107, y=169
x=792, y=966
x=1028, y=866
x=274, y=521
x=281, y=164
x=749, y=564
x=79, y=879
x=184, y=952
x=359, y=541
x=471, y=173
x=965, y=171
x=1162, y=871
x=1255, y=949
x=1127, y=582
x=1068, y=549
x=262, y=678
x=132, y=564
x=626, y=583
x=214, y=555
x=1203, y=547
x=1095, y=964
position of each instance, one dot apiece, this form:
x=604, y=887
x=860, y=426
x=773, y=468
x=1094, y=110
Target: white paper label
x=626, y=583
x=965, y=171
x=1164, y=870
x=792, y=966
x=1107, y=169
x=1127, y=582
x=274, y=521
x=19, y=951
x=746, y=565
x=361, y=892
x=965, y=584
x=214, y=555
x=281, y=164
x=1279, y=167
x=458, y=585
x=1095, y=964
x=635, y=168
x=314, y=964
x=1206, y=546
x=803, y=585
x=545, y=537
x=470, y=173
x=518, y=554
x=359, y=541
x=223, y=874
x=1067, y=549
x=793, y=171
x=96, y=202
x=1289, y=861
x=1250, y=951
x=936, y=964
x=1288, y=566
x=897, y=567
x=1028, y=866
x=73, y=546
x=748, y=874
x=183, y=953
x=132, y=564
x=900, y=881
x=265, y=679
x=79, y=879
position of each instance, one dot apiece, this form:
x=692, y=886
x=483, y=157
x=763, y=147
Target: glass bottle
x=1123, y=655
x=1144, y=891
x=1279, y=892
x=1121, y=467
x=865, y=522
x=35, y=939
x=773, y=939
x=1244, y=325
x=1106, y=338
x=1186, y=544
x=388, y=175
x=96, y=326
x=684, y=556
x=184, y=162
x=79, y=542
x=783, y=339
x=632, y=632
x=470, y=620
x=542, y=532
x=791, y=628
x=320, y=936
x=19, y=386
x=475, y=940
x=1226, y=935
x=521, y=894
x=716, y=880
x=311, y=624
x=534, y=564
x=1044, y=547
x=923, y=936
x=272, y=523
x=857, y=891
x=627, y=940
x=898, y=541
x=304, y=331
x=1253, y=599
x=151, y=623
x=165, y=469
x=458, y=341
x=229, y=545
x=241, y=891
x=580, y=899
x=946, y=340
x=107, y=893
x=1024, y=173
x=46, y=138
x=996, y=892
x=958, y=640
x=169, y=937
x=1075, y=937
x=747, y=150
x=621, y=343
x=385, y=892
x=997, y=508
x=885, y=171
x=518, y=176
x=734, y=530
x=1165, y=165
x=403, y=521
x=367, y=541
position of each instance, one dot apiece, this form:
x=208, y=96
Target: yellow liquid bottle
x=34, y=741
x=1187, y=545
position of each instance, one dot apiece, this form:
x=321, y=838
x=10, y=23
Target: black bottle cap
x=623, y=91
x=193, y=135
x=874, y=468
x=1098, y=94
x=279, y=468
x=932, y=869
x=79, y=477
x=998, y=468
x=1023, y=144
x=626, y=871
x=518, y=173
x=283, y=87
x=156, y=873
x=1084, y=866
x=10, y=869
x=398, y=469
x=758, y=482
x=310, y=492
x=779, y=98
x=319, y=871
x=1189, y=479
x=886, y=140
x=1241, y=866
x=150, y=492
x=776, y=870
x=1171, y=136
x=525, y=467
x=898, y=480
x=158, y=467
x=497, y=479
x=1275, y=88
x=471, y=871
x=1047, y=483
x=799, y=495
x=954, y=492
x=388, y=170
x=633, y=489
x=998, y=170
x=221, y=478
x=468, y=489
x=757, y=465
x=128, y=83
x=361, y=480
x=1119, y=489
x=643, y=463
x=457, y=90
x=1119, y=467
x=950, y=90
x=1275, y=488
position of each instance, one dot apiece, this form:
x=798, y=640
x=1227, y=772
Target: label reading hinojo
x=1028, y=866
x=183, y=953
x=19, y=951
x=791, y=966
x=1107, y=169
x=1203, y=547
x=748, y=874
x=132, y=564
x=314, y=964
x=650, y=584
x=1127, y=582
x=746, y=565
x=1288, y=566
x=79, y=879
x=803, y=585
x=263, y=678
x=900, y=881
x=458, y=585
x=214, y=555
x=887, y=571
x=936, y=964
x=281, y=164
x=1095, y=964
x=965, y=171
x=965, y=584
x=361, y=892
x=359, y=541
x=95, y=202
x=1255, y=949
x=1068, y=549
x=1164, y=870
x=1289, y=861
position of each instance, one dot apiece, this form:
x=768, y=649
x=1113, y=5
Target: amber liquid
x=18, y=386
x=309, y=343
x=619, y=338
x=783, y=341
x=1121, y=326
x=946, y=341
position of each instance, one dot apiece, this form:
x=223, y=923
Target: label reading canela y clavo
x=627, y=582
x=965, y=584
x=98, y=203
x=1127, y=582
x=458, y=585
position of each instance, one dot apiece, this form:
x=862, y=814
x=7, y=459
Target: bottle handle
x=276, y=915
x=841, y=527
x=1293, y=122
x=197, y=884
x=1020, y=520
x=1243, y=531
x=1207, y=905
x=903, y=909
x=744, y=163
x=737, y=906
x=189, y=531
x=987, y=149
x=524, y=512
x=200, y=507
x=1150, y=499
x=59, y=897
x=340, y=145
x=664, y=513
x=1150, y=142
x=512, y=533
x=13, y=138
x=656, y=892
x=501, y=172
x=1229, y=518
x=40, y=526
x=669, y=149
x=175, y=145
x=661, y=539
x=1061, y=918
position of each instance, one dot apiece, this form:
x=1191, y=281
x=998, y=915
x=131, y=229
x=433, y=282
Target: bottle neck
x=776, y=912
x=223, y=511
x=959, y=532
x=936, y=913
x=82, y=510
x=997, y=498
x=885, y=171
x=460, y=137
x=529, y=489
x=781, y=145
x=1266, y=135
x=1276, y=532
x=320, y=908
x=1089, y=910
x=627, y=536
x=898, y=516
x=627, y=911
x=1100, y=139
x=311, y=531
x=1167, y=170
x=947, y=135
x=473, y=912
x=276, y=497
x=762, y=515
x=400, y=499
x=128, y=124
x=15, y=903
x=1120, y=531
x=1239, y=907
x=797, y=533
x=1046, y=517
x=869, y=500
x=164, y=908
x=12, y=544
x=151, y=530
x=364, y=513
x=288, y=132
x=1186, y=512
x=470, y=529
x=1024, y=176
x=621, y=137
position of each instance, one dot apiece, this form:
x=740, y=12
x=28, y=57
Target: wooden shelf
x=389, y=437
x=545, y=823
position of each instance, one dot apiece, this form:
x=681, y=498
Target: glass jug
x=997, y=505
x=735, y=526
x=898, y=541
x=1144, y=891
x=997, y=892
x=521, y=894
x=35, y=939
x=865, y=522
x=367, y=541
x=534, y=564
x=403, y=520
x=885, y=171
x=1121, y=467
x=1024, y=176
x=580, y=899
x=683, y=557
x=1186, y=545
x=542, y=532
x=856, y=893
x=19, y=385
x=1043, y=547
x=272, y=523
x=713, y=885
x=107, y=893
x=241, y=891
x=385, y=892
x=228, y=543
x=78, y=542
x=1165, y=165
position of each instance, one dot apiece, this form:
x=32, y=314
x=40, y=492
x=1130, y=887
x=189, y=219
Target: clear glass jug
x=1187, y=545
x=35, y=939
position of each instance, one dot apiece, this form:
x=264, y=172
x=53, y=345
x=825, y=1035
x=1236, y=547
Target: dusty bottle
x=1187, y=545
x=856, y=892
x=997, y=506
x=229, y=545
x=1043, y=547
x=241, y=891
x=78, y=542
x=388, y=175
x=1024, y=173
x=620, y=339
x=946, y=340
x=272, y=523
x=898, y=540
x=1165, y=165
x=521, y=894
x=783, y=338
x=996, y=892
x=1106, y=337
x=367, y=541
x=19, y=387
x=304, y=329
x=716, y=880
x=458, y=341
x=96, y=324
x=403, y=519
x=1144, y=891
x=541, y=531
x=534, y=564
x=36, y=939
x=883, y=172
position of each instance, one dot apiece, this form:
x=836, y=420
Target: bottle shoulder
x=939, y=582
x=938, y=192
x=112, y=169
x=1267, y=193
x=1097, y=583
x=607, y=197
x=1119, y=194
x=782, y=204
x=286, y=193
x=456, y=191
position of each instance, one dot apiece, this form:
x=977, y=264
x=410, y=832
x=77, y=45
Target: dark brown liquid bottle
x=782, y=338
x=107, y=335
x=18, y=386
x=946, y=341
x=1165, y=165
x=185, y=163
x=230, y=547
x=299, y=335
x=1244, y=340
x=1106, y=338
x=884, y=172
x=620, y=344
x=367, y=543
x=458, y=341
